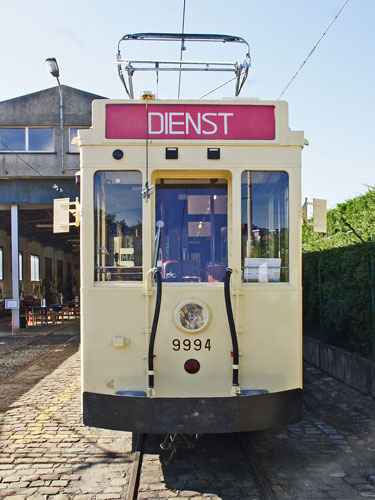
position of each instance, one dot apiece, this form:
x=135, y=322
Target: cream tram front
x=191, y=266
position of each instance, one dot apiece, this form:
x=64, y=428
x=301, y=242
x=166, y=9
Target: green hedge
x=339, y=309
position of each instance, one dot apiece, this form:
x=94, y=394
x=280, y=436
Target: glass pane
x=40, y=139
x=264, y=223
x=194, y=237
x=73, y=132
x=118, y=226
x=34, y=266
x=192, y=316
x=32, y=271
x=20, y=267
x=1, y=264
x=12, y=139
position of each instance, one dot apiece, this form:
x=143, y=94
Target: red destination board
x=190, y=121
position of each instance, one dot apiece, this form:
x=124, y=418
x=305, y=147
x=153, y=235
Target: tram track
x=39, y=358
x=258, y=475
x=264, y=484
x=26, y=344
x=135, y=472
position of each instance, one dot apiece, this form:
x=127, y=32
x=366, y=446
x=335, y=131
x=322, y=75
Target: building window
x=73, y=139
x=20, y=265
x=34, y=266
x=12, y=139
x=40, y=139
x=1, y=263
x=26, y=139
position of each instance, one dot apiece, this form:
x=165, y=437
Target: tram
x=190, y=262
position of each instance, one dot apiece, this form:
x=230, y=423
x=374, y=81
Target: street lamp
x=53, y=68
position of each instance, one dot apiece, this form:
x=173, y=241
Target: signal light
x=213, y=153
x=171, y=153
x=192, y=366
x=118, y=154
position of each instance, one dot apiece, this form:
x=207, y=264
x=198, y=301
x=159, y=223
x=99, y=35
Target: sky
x=331, y=99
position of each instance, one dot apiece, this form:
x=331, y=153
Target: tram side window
x=264, y=227
x=194, y=246
x=118, y=226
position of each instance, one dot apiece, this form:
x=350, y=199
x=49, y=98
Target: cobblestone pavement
x=331, y=453
x=46, y=452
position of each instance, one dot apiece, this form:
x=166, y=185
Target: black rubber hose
x=232, y=326
x=157, y=276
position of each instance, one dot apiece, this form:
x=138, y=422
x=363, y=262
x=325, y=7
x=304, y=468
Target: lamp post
x=53, y=68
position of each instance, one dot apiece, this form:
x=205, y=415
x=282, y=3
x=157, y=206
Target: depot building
x=38, y=161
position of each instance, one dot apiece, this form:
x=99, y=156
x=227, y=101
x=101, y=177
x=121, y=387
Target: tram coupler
x=173, y=442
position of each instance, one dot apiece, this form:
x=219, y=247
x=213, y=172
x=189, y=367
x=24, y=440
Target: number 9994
x=188, y=345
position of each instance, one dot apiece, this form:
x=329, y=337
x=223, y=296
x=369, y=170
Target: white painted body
x=268, y=316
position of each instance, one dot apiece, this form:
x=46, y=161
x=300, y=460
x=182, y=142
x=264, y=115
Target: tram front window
x=194, y=245
x=118, y=226
x=265, y=227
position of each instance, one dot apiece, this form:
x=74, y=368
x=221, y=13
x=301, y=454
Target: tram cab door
x=193, y=258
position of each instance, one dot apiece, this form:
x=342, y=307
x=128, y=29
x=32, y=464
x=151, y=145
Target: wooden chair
x=37, y=316
x=58, y=313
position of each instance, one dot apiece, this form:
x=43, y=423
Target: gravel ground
x=12, y=342
x=43, y=339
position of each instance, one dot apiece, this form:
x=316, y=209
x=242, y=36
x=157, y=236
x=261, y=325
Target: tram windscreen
x=193, y=246
x=118, y=226
x=265, y=227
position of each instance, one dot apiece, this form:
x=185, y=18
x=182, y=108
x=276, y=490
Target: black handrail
x=159, y=225
x=232, y=326
x=151, y=345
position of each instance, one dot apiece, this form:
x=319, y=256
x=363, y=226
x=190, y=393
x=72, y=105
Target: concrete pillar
x=15, y=267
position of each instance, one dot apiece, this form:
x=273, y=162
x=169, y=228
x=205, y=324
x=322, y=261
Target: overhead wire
x=182, y=47
x=217, y=88
x=312, y=50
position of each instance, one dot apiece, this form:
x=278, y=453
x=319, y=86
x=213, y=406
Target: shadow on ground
x=216, y=466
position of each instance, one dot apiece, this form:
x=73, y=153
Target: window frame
x=140, y=268
x=27, y=149
x=71, y=146
x=36, y=258
x=1, y=263
x=173, y=177
x=269, y=283
x=20, y=266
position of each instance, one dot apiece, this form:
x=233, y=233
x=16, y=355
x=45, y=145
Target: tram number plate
x=188, y=345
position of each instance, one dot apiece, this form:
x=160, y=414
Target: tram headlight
x=192, y=316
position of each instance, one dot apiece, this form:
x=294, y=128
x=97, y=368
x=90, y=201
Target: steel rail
x=39, y=358
x=4, y=354
x=31, y=342
x=262, y=480
x=135, y=472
